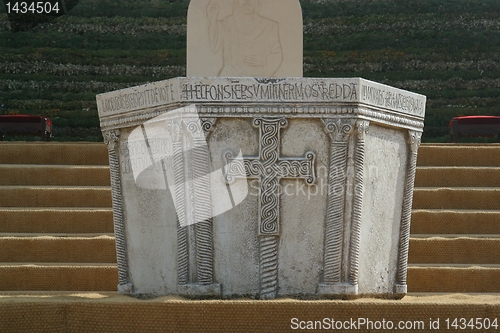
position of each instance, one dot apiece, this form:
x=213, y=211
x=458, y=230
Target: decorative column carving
x=414, y=142
x=180, y=203
x=359, y=162
x=194, y=205
x=207, y=124
x=202, y=203
x=339, y=131
x=111, y=138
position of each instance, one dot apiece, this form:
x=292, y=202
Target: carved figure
x=250, y=43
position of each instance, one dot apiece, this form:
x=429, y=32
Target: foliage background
x=448, y=50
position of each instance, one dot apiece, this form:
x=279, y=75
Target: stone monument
x=255, y=38
x=261, y=187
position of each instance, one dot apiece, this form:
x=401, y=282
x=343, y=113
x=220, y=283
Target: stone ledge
x=110, y=312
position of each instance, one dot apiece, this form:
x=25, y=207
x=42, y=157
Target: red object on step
x=474, y=126
x=24, y=124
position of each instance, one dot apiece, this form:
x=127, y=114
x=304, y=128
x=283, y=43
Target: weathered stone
x=242, y=38
x=233, y=187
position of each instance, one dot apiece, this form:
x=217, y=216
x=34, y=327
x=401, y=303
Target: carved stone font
x=262, y=188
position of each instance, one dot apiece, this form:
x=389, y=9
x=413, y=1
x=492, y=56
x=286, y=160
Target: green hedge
x=445, y=49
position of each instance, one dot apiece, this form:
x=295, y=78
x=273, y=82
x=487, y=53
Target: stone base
x=125, y=289
x=114, y=313
x=400, y=290
x=268, y=186
x=340, y=290
x=200, y=291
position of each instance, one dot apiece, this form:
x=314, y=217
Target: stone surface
x=241, y=38
x=230, y=187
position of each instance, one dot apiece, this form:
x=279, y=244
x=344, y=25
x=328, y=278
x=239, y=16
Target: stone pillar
x=359, y=163
x=339, y=131
x=194, y=204
x=413, y=142
x=111, y=138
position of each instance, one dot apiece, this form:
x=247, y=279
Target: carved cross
x=269, y=168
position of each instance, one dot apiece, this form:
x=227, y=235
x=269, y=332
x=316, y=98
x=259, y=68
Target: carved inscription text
x=281, y=91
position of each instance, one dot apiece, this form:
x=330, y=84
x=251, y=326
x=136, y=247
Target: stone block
x=264, y=188
x=257, y=38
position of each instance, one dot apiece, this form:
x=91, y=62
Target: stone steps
x=56, y=221
x=54, y=175
x=476, y=198
x=455, y=221
x=100, y=249
x=98, y=175
x=102, y=277
x=55, y=217
x=53, y=153
x=100, y=220
x=463, y=176
x=472, y=279
x=63, y=276
x=85, y=153
x=55, y=196
x=459, y=155
x=110, y=313
x=462, y=250
x=91, y=248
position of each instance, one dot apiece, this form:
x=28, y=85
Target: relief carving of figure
x=250, y=43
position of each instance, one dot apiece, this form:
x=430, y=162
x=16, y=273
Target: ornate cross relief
x=269, y=168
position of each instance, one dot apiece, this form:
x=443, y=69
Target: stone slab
x=294, y=96
x=242, y=31
x=98, y=312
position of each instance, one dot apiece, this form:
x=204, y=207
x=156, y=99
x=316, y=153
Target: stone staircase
x=56, y=229
x=455, y=243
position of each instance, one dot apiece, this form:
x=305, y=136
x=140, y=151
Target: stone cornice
x=252, y=97
x=251, y=110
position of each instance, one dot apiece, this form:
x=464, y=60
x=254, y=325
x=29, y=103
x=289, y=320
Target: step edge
x=53, y=166
x=423, y=294
x=58, y=264
x=455, y=266
x=457, y=236
x=76, y=235
x=45, y=237
x=53, y=187
x=70, y=293
x=458, y=167
x=452, y=210
x=458, y=188
x=55, y=209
